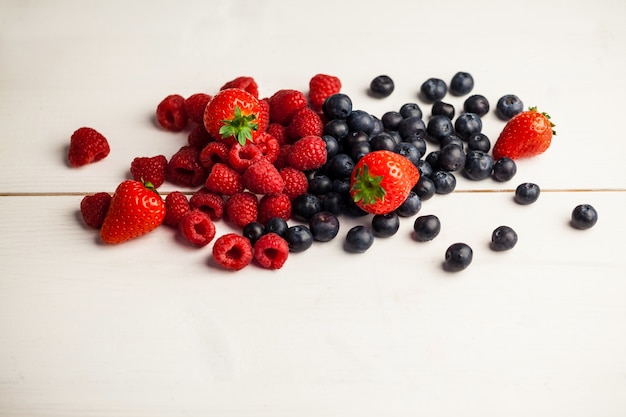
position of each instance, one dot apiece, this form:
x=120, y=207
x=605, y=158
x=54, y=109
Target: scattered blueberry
x=433, y=89
x=340, y=166
x=508, y=106
x=382, y=141
x=452, y=139
x=467, y=124
x=476, y=104
x=443, y=109
x=385, y=225
x=411, y=110
x=337, y=106
x=359, y=239
x=439, y=127
x=333, y=202
x=478, y=165
x=332, y=145
x=445, y=182
x=504, y=169
x=425, y=169
x=503, y=238
x=337, y=128
x=324, y=226
x=584, y=216
x=461, y=83
x=304, y=206
x=409, y=151
x=320, y=184
x=478, y=142
x=382, y=86
x=359, y=150
x=527, y=193
x=410, y=206
x=412, y=125
x=426, y=227
x=391, y=120
x=253, y=231
x=458, y=257
x=451, y=157
x=360, y=120
x=276, y=225
x=425, y=188
x=299, y=238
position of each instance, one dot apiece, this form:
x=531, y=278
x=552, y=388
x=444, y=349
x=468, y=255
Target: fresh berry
x=208, y=202
x=411, y=110
x=477, y=104
x=425, y=188
x=224, y=180
x=383, y=141
x=94, y=207
x=184, y=168
x=234, y=115
x=308, y=153
x=478, y=165
x=382, y=86
x=176, y=207
x=135, y=209
x=451, y=157
x=527, y=193
x=197, y=228
x=322, y=86
x=276, y=225
x=381, y=181
x=199, y=137
x=527, y=134
x=295, y=180
x=304, y=206
x=391, y=119
x=508, y=106
x=283, y=154
x=385, y=225
x=359, y=239
x=478, y=142
x=324, y=226
x=337, y=106
x=274, y=206
x=232, y=251
x=333, y=202
x=584, y=216
x=409, y=151
x=87, y=145
x=241, y=157
x=305, y=122
x=426, y=227
x=458, y=256
x=340, y=166
x=467, y=124
x=253, y=231
x=360, y=121
x=213, y=153
x=245, y=83
x=262, y=177
x=504, y=169
x=284, y=104
x=410, y=206
x=440, y=108
x=171, y=113
x=320, y=184
x=271, y=251
x=433, y=89
x=503, y=238
x=149, y=169
x=445, y=181
x=461, y=83
x=242, y=208
x=299, y=238
x=412, y=126
x=279, y=132
x=269, y=146
x=195, y=105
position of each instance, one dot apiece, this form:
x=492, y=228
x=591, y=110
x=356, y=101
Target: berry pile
x=283, y=169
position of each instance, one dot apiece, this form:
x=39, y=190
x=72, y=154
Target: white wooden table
x=150, y=328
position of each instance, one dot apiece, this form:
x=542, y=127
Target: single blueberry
x=443, y=109
x=411, y=126
x=337, y=106
x=461, y=83
x=333, y=202
x=503, y=238
x=382, y=86
x=445, y=182
x=276, y=225
x=433, y=89
x=425, y=188
x=324, y=226
x=426, y=227
x=451, y=157
x=410, y=206
x=584, y=216
x=439, y=127
x=304, y=206
x=385, y=225
x=340, y=166
x=468, y=124
x=253, y=231
x=508, y=106
x=359, y=239
x=411, y=110
x=476, y=104
x=409, y=151
x=504, y=169
x=299, y=238
x=478, y=142
x=383, y=141
x=337, y=128
x=320, y=184
x=458, y=257
x=391, y=120
x=527, y=193
x=478, y=165
x=360, y=120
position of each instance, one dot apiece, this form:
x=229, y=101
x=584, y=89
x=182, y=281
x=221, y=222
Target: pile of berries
x=263, y=163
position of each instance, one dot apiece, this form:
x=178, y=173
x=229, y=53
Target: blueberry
x=478, y=142
x=304, y=206
x=320, y=184
x=351, y=209
x=360, y=120
x=503, y=238
x=478, y=165
x=409, y=151
x=324, y=226
x=433, y=89
x=411, y=110
x=418, y=142
x=337, y=106
x=385, y=225
x=378, y=126
x=276, y=225
x=458, y=257
x=425, y=188
x=527, y=193
x=476, y=104
x=299, y=238
x=341, y=185
x=433, y=159
x=445, y=182
x=424, y=168
x=391, y=120
x=452, y=139
x=426, y=227
x=383, y=141
x=468, y=124
x=461, y=83
x=340, y=166
x=354, y=137
x=333, y=202
x=253, y=231
x=504, y=169
x=359, y=150
x=359, y=239
x=382, y=86
x=584, y=216
x=410, y=206
x=337, y=128
x=410, y=126
x=443, y=109
x=508, y=106
x=332, y=146
x=439, y=127
x=451, y=157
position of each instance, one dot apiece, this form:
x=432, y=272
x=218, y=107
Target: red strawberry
x=149, y=169
x=232, y=251
x=381, y=181
x=176, y=206
x=284, y=104
x=305, y=122
x=262, y=178
x=274, y=205
x=171, y=113
x=527, y=134
x=224, y=180
x=195, y=105
x=245, y=83
x=235, y=115
x=94, y=208
x=136, y=209
x=271, y=251
x=242, y=208
x=308, y=153
x=87, y=145
x=322, y=86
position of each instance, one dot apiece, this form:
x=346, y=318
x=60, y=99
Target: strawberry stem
x=241, y=127
x=367, y=188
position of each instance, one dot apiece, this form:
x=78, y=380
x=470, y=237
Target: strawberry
x=136, y=209
x=527, y=134
x=381, y=181
x=322, y=86
x=262, y=177
x=308, y=153
x=94, y=207
x=234, y=114
x=149, y=169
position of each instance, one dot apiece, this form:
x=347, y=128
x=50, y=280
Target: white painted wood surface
x=152, y=328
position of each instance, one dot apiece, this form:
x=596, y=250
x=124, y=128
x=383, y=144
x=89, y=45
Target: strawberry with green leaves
x=527, y=134
x=135, y=209
x=381, y=181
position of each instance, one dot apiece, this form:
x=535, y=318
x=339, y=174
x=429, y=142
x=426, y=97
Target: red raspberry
x=296, y=182
x=269, y=146
x=87, y=145
x=213, y=153
x=263, y=118
x=242, y=208
x=241, y=157
x=94, y=208
x=232, y=251
x=308, y=153
x=224, y=180
x=274, y=205
x=197, y=228
x=262, y=178
x=279, y=132
x=322, y=86
x=184, y=168
x=207, y=202
x=199, y=137
x=271, y=251
x=149, y=169
x=283, y=153
x=305, y=122
x=245, y=83
x=171, y=113
x=195, y=105
x=176, y=207
x=284, y=104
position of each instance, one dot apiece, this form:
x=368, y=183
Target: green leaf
x=240, y=126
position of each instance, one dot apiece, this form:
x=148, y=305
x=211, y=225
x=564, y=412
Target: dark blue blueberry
x=359, y=239
x=391, y=120
x=468, y=124
x=452, y=139
x=445, y=182
x=383, y=141
x=458, y=257
x=410, y=206
x=426, y=227
x=353, y=138
x=410, y=126
x=425, y=188
x=584, y=216
x=351, y=209
x=340, y=166
x=395, y=135
x=409, y=151
x=411, y=110
x=418, y=142
x=461, y=83
x=433, y=159
x=276, y=225
x=443, y=109
x=324, y=226
x=299, y=238
x=332, y=146
x=439, y=127
x=359, y=150
x=253, y=231
x=478, y=165
x=476, y=104
x=508, y=106
x=504, y=169
x=304, y=206
x=425, y=169
x=378, y=126
x=337, y=106
x=527, y=193
x=382, y=86
x=503, y=238
x=333, y=202
x=337, y=128
x=320, y=184
x=341, y=185
x=451, y=157
x=478, y=142
x=385, y=225
x=433, y=89
x=360, y=120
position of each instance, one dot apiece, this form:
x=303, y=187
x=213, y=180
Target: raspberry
x=242, y=208
x=176, y=207
x=279, y=132
x=241, y=157
x=195, y=105
x=171, y=113
x=213, y=153
x=308, y=153
x=94, y=208
x=262, y=178
x=281, y=159
x=271, y=251
x=305, y=122
x=199, y=137
x=224, y=180
x=263, y=118
x=322, y=86
x=184, y=168
x=87, y=145
x=232, y=251
x=284, y=104
x=296, y=182
x=197, y=228
x=245, y=83
x=269, y=146
x=274, y=205
x=207, y=202
x=149, y=169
